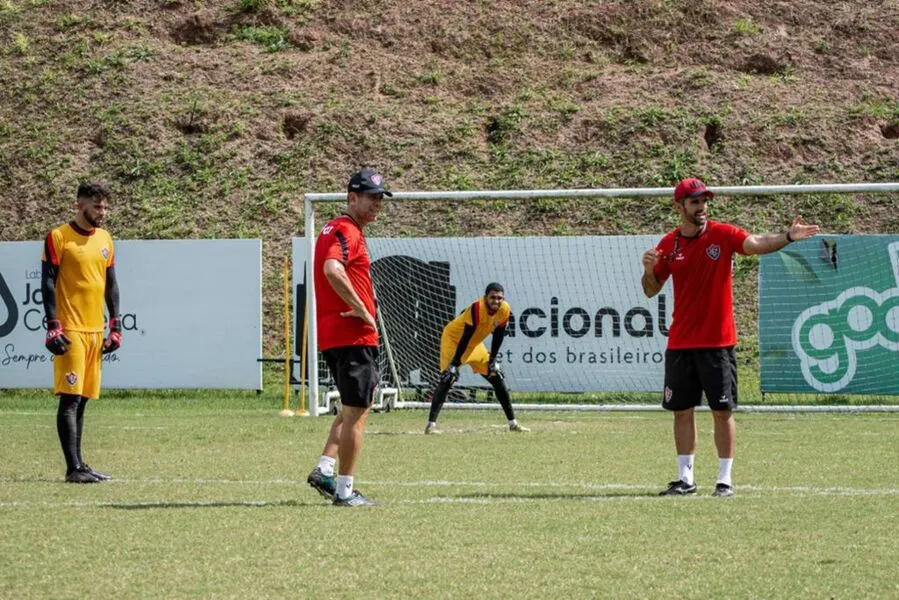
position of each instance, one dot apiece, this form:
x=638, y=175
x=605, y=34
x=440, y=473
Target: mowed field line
x=642, y=492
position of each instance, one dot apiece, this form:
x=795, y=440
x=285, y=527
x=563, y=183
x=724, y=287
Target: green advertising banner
x=829, y=316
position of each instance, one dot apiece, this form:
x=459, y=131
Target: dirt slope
x=209, y=119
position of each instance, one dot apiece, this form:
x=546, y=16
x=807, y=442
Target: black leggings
x=499, y=388
x=69, y=426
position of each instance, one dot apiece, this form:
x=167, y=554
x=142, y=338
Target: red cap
x=690, y=188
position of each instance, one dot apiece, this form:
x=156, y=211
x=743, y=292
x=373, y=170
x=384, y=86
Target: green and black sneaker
x=326, y=485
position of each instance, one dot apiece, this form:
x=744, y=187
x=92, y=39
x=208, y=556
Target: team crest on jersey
x=669, y=393
x=105, y=253
x=714, y=251
x=71, y=377
x=328, y=229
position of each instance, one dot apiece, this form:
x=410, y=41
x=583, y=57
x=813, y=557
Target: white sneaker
x=519, y=428
x=432, y=428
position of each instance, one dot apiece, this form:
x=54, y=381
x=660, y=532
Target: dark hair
x=494, y=287
x=92, y=191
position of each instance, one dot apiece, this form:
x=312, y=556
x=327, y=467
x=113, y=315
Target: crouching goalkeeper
x=462, y=343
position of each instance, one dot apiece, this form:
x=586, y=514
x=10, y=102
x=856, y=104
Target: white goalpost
x=581, y=326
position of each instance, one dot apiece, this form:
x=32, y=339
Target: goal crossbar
x=745, y=190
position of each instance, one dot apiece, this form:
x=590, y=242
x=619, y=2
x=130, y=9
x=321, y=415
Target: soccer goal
x=582, y=335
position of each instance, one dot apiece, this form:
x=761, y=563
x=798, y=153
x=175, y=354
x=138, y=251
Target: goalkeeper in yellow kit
x=77, y=278
x=462, y=342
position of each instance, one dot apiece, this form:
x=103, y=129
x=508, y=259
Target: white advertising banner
x=191, y=313
x=580, y=319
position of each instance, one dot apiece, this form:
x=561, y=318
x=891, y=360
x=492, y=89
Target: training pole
x=301, y=411
x=286, y=412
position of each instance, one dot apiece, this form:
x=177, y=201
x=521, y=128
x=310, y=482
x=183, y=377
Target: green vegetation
x=209, y=500
x=8, y=9
x=21, y=43
x=746, y=27
x=881, y=108
x=273, y=39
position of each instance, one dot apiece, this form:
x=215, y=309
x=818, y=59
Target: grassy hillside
x=209, y=119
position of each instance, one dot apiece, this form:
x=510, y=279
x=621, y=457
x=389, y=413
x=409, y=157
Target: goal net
x=582, y=334
x=580, y=322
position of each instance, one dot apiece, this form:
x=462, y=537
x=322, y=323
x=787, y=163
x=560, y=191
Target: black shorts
x=355, y=371
x=689, y=373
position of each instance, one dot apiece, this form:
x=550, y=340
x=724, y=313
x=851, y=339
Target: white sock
x=724, y=467
x=513, y=421
x=326, y=464
x=344, y=486
x=432, y=423
x=685, y=467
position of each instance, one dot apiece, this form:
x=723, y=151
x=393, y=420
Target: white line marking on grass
x=500, y=497
x=148, y=504
x=32, y=504
x=803, y=490
x=527, y=500
x=203, y=481
x=16, y=413
x=424, y=483
x=520, y=484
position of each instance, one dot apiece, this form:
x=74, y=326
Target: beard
x=93, y=222
x=698, y=220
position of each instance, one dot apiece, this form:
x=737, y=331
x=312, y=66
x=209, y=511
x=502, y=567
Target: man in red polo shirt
x=698, y=256
x=347, y=333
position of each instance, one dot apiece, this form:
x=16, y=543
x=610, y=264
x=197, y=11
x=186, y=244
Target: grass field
x=210, y=501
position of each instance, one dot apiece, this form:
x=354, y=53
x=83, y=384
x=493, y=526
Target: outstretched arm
x=766, y=243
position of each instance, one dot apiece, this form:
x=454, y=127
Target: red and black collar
x=81, y=231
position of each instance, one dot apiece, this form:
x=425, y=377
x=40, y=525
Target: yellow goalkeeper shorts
x=77, y=372
x=477, y=358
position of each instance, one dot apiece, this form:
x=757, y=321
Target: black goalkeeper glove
x=56, y=341
x=114, y=340
x=450, y=376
